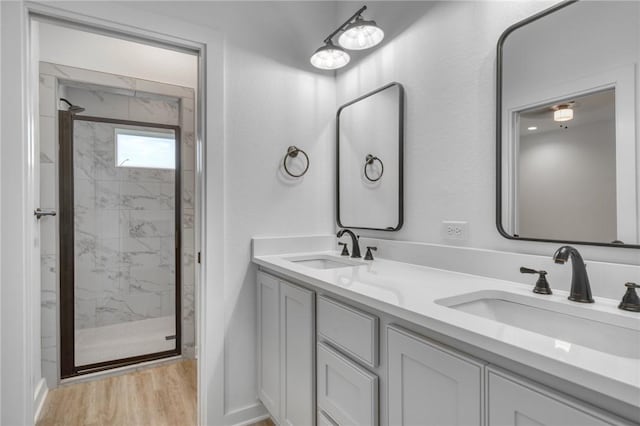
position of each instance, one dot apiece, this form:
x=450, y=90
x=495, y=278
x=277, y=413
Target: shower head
x=73, y=109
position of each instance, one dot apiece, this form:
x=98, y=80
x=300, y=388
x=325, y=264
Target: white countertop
x=410, y=292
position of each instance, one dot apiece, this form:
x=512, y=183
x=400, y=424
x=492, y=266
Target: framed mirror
x=370, y=139
x=567, y=142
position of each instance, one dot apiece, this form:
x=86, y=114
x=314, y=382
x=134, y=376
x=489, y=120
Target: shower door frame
x=67, y=249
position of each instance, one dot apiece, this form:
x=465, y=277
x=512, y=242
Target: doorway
x=118, y=155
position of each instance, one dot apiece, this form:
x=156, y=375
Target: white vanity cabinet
x=515, y=401
x=338, y=362
x=286, y=351
x=431, y=385
x=269, y=343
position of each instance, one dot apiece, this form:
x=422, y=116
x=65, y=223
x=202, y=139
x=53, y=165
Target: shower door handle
x=43, y=212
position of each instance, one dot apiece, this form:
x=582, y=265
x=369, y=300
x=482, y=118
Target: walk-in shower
x=120, y=260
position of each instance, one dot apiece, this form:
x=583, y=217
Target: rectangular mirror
x=370, y=133
x=567, y=150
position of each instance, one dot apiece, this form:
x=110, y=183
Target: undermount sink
x=602, y=331
x=324, y=262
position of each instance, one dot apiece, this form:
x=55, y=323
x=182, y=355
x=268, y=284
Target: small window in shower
x=145, y=149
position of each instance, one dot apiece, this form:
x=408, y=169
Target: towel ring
x=293, y=152
x=369, y=161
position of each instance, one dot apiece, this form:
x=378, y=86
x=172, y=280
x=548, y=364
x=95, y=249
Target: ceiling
x=594, y=107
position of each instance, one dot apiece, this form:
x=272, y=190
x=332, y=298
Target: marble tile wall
x=123, y=216
x=124, y=233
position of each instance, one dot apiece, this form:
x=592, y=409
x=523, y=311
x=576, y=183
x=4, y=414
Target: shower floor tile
x=124, y=340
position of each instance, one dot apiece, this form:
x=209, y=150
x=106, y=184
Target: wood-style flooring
x=159, y=396
x=267, y=422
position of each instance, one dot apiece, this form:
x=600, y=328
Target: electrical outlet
x=454, y=230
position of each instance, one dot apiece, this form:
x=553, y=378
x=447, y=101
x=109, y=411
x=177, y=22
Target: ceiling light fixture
x=330, y=57
x=357, y=34
x=562, y=113
x=360, y=35
x=532, y=128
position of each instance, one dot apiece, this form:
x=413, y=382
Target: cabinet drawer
x=515, y=401
x=347, y=393
x=350, y=330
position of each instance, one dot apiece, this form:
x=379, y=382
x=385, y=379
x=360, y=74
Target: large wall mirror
x=370, y=133
x=567, y=141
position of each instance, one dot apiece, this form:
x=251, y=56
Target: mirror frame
x=401, y=101
x=499, y=140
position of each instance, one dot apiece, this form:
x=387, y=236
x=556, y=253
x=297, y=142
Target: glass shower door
x=125, y=286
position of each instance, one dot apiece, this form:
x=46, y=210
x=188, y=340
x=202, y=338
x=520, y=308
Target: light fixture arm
x=343, y=26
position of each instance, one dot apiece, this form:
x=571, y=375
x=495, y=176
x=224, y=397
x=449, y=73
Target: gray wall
x=567, y=183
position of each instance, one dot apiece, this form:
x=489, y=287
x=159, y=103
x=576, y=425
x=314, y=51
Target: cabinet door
x=431, y=385
x=297, y=322
x=325, y=420
x=347, y=393
x=269, y=343
x=515, y=402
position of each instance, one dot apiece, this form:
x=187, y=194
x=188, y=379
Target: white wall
x=273, y=98
x=446, y=59
x=82, y=49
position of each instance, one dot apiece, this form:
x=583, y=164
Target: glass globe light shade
x=563, y=114
x=330, y=57
x=360, y=35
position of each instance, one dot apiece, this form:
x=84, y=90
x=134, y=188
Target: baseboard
x=247, y=415
x=39, y=396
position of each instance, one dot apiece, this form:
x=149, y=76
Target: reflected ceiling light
x=360, y=35
x=563, y=113
x=357, y=34
x=330, y=57
x=532, y=128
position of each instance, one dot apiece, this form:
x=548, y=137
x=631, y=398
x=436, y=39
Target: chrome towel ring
x=368, y=161
x=293, y=152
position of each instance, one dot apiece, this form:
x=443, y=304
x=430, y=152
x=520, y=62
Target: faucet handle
x=345, y=250
x=542, y=285
x=630, y=300
x=369, y=255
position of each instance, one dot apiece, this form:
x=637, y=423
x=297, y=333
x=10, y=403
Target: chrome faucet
x=355, y=250
x=580, y=287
